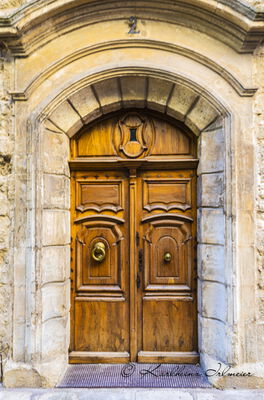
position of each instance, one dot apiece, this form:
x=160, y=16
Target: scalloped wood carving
x=100, y=195
x=167, y=194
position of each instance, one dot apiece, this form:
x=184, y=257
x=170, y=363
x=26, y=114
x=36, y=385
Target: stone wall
x=212, y=284
x=11, y=3
x=38, y=330
x=7, y=194
x=259, y=137
x=5, y=4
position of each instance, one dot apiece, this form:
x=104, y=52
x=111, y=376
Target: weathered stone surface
x=56, y=191
x=210, y=190
x=53, y=338
x=58, y=396
x=108, y=95
x=259, y=134
x=66, y=118
x=180, y=102
x=260, y=335
x=51, y=127
x=11, y=3
x=55, y=153
x=55, y=300
x=4, y=232
x=211, y=226
x=241, y=382
x=53, y=369
x=211, y=151
x=211, y=331
x=21, y=375
x=55, y=227
x=85, y=102
x=6, y=395
x=170, y=394
x=4, y=204
x=211, y=262
x=158, y=94
x=206, y=396
x=200, y=116
x=133, y=91
x=55, y=263
x=130, y=394
x=214, y=300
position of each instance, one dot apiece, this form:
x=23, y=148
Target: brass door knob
x=98, y=252
x=167, y=257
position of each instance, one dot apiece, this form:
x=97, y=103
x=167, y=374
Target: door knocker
x=98, y=252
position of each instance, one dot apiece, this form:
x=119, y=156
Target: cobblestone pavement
x=130, y=394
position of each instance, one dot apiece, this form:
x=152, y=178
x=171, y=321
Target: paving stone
x=15, y=395
x=206, y=396
x=131, y=394
x=57, y=396
x=163, y=394
x=107, y=394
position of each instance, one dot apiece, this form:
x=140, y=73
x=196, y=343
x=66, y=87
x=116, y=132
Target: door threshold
x=134, y=375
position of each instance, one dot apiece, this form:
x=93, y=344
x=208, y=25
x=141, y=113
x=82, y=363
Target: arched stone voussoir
x=174, y=99
x=181, y=101
x=201, y=116
x=108, y=94
x=66, y=118
x=134, y=91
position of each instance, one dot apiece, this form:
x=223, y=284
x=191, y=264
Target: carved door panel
x=100, y=287
x=167, y=294
x=133, y=241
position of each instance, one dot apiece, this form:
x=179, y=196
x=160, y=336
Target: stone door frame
x=53, y=107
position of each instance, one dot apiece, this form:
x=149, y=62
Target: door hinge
x=138, y=281
x=140, y=260
x=137, y=238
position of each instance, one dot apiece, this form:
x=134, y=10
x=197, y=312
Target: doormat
x=134, y=375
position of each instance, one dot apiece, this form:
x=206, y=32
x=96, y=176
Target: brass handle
x=167, y=257
x=98, y=252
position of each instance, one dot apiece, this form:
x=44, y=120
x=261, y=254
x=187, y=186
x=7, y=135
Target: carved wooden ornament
x=133, y=135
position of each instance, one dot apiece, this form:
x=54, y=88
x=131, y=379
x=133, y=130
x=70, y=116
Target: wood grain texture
x=101, y=196
x=133, y=135
x=100, y=290
x=167, y=299
x=134, y=304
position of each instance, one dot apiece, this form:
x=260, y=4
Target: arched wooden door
x=133, y=241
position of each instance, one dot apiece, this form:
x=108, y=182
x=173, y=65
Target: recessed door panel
x=100, y=286
x=106, y=195
x=167, y=194
x=103, y=327
x=167, y=325
x=99, y=265
x=168, y=247
x=133, y=242
x=167, y=295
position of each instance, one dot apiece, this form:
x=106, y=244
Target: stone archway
x=195, y=80
x=60, y=123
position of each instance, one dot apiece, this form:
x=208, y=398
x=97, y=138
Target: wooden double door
x=133, y=263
